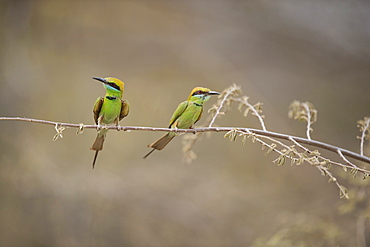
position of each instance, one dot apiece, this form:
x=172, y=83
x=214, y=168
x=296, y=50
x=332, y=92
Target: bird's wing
x=200, y=115
x=180, y=109
x=125, y=108
x=97, y=107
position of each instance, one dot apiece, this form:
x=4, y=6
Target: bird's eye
x=198, y=92
x=112, y=84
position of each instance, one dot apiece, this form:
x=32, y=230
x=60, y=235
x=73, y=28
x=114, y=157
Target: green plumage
x=108, y=110
x=185, y=116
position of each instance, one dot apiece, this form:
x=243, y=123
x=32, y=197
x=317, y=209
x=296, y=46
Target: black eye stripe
x=113, y=85
x=199, y=92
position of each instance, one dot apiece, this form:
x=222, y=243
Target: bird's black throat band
x=111, y=97
x=197, y=104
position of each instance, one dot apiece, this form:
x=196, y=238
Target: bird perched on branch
x=185, y=116
x=108, y=110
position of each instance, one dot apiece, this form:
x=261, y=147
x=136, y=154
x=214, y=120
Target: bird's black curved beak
x=213, y=93
x=100, y=79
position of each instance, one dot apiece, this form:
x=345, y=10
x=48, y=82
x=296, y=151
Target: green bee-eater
x=108, y=110
x=185, y=116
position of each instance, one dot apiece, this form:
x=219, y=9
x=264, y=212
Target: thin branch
x=308, y=128
x=301, y=140
x=349, y=164
x=271, y=147
x=303, y=111
x=365, y=128
x=345, y=159
x=232, y=90
x=253, y=109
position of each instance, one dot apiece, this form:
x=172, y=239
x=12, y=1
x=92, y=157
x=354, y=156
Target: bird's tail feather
x=151, y=151
x=161, y=143
x=97, y=146
x=95, y=157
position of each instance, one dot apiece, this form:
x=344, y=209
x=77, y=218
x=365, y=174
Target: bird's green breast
x=110, y=110
x=189, y=116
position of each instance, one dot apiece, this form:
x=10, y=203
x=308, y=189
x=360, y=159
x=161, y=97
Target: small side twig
x=308, y=128
x=303, y=111
x=364, y=126
x=225, y=95
x=59, y=129
x=345, y=159
x=256, y=109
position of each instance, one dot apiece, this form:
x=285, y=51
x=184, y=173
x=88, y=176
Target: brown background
x=278, y=51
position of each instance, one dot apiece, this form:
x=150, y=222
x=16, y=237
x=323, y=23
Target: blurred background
x=231, y=195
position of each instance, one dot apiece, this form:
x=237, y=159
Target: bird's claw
x=194, y=132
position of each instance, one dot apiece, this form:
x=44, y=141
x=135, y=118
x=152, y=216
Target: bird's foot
x=194, y=132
